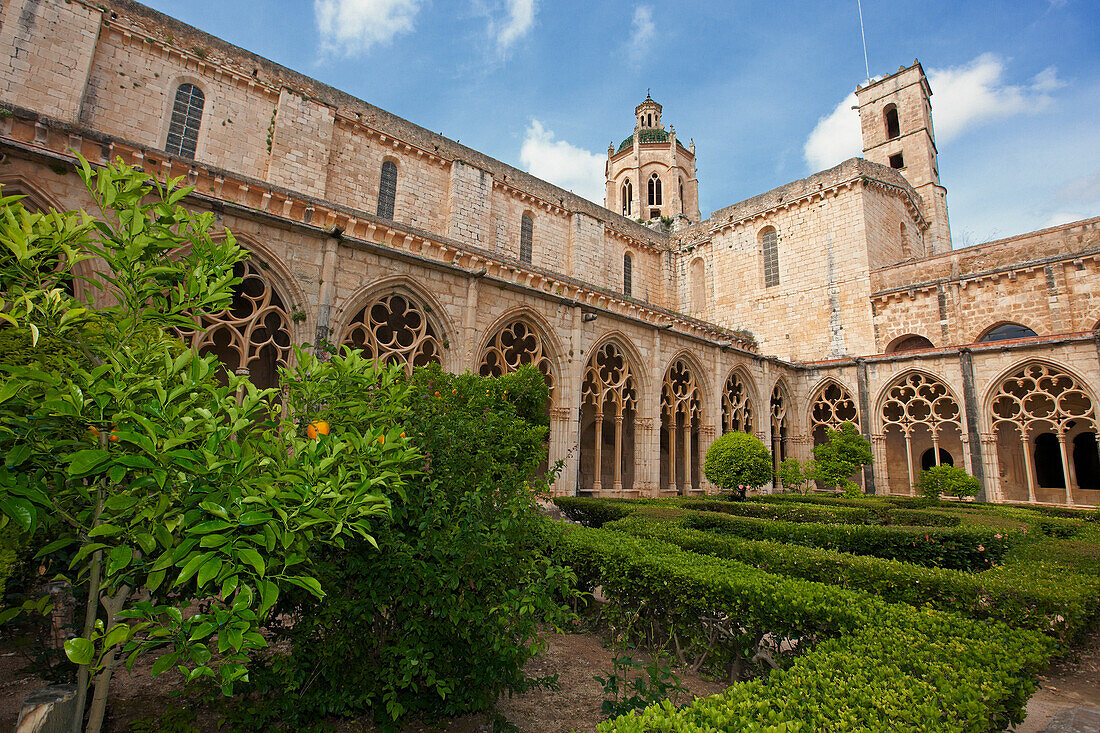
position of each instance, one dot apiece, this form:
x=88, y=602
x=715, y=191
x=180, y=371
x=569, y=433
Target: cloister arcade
x=1036, y=425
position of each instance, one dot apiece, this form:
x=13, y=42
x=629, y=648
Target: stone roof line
x=351, y=107
x=319, y=214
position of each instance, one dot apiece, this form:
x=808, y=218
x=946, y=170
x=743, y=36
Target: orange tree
x=164, y=480
x=443, y=621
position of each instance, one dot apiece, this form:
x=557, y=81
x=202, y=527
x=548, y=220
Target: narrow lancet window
x=183, y=128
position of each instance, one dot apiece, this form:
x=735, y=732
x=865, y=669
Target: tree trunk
x=98, y=709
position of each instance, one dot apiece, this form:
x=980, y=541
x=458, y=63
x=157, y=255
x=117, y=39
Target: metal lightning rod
x=866, y=66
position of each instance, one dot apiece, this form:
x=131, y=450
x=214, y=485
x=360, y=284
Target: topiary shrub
x=947, y=481
x=737, y=462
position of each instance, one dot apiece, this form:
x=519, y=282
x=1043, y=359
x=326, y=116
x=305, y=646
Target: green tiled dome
x=644, y=136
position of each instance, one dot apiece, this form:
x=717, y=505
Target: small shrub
x=845, y=452
x=947, y=481
x=796, y=475
x=737, y=462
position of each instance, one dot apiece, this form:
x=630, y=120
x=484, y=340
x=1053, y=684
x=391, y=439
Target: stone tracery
x=681, y=413
x=832, y=405
x=394, y=330
x=919, y=408
x=1035, y=401
x=253, y=335
x=609, y=391
x=513, y=346
x=737, y=409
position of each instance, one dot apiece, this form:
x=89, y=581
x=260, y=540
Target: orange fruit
x=112, y=437
x=93, y=431
x=317, y=428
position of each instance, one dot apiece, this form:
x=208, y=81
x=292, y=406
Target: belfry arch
x=1044, y=425
x=681, y=420
x=609, y=405
x=921, y=421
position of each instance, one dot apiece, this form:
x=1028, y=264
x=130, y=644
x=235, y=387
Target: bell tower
x=895, y=115
x=651, y=175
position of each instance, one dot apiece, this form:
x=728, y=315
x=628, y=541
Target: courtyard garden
x=367, y=546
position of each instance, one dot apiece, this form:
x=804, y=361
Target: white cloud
x=967, y=96
x=964, y=97
x=351, y=27
x=562, y=163
x=642, y=32
x=520, y=16
x=836, y=137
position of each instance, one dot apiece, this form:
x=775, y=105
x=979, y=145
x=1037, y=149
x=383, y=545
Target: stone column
x=973, y=423
x=878, y=447
x=990, y=465
x=645, y=466
x=865, y=421
x=327, y=295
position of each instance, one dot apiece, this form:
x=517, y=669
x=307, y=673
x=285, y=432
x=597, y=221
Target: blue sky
x=760, y=86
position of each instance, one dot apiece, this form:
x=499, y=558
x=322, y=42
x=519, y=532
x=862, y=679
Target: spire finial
x=647, y=94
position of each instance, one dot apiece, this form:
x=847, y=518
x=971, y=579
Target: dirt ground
x=1071, y=681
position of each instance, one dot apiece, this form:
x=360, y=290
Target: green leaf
x=253, y=558
x=10, y=388
x=105, y=530
x=54, y=547
x=118, y=634
x=269, y=594
x=79, y=650
x=190, y=568
x=119, y=559
x=163, y=662
x=209, y=571
x=85, y=461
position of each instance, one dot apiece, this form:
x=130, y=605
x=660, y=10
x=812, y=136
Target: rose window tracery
x=513, y=346
x=394, y=330
x=608, y=380
x=832, y=407
x=1040, y=396
x=920, y=400
x=737, y=412
x=253, y=334
x=680, y=393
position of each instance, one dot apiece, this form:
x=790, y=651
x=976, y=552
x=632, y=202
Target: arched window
x=387, y=189
x=769, y=242
x=526, y=236
x=681, y=195
x=183, y=128
x=890, y=115
x=928, y=459
x=394, y=329
x=655, y=190
x=909, y=342
x=1006, y=331
x=628, y=198
x=628, y=274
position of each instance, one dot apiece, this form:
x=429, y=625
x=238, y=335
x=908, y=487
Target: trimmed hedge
x=792, y=513
x=960, y=548
x=593, y=512
x=1027, y=599
x=894, y=668
x=928, y=674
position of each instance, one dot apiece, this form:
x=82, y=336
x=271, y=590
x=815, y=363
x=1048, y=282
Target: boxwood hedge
x=961, y=548
x=880, y=666
x=1023, y=597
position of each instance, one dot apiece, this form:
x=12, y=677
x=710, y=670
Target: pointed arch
x=609, y=406
x=397, y=320
x=781, y=414
x=738, y=399
x=831, y=404
x=682, y=402
x=520, y=336
x=255, y=336
x=1038, y=410
x=918, y=414
x=633, y=356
